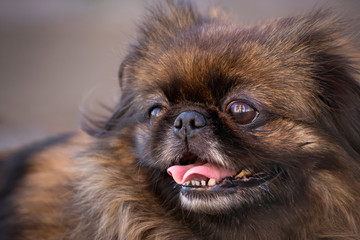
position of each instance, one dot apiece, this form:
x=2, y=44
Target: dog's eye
x=242, y=112
x=156, y=112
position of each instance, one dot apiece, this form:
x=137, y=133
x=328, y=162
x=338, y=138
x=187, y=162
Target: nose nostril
x=192, y=123
x=198, y=122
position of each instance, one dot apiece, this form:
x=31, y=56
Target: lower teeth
x=202, y=183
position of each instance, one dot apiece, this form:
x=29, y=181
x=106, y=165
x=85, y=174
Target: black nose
x=188, y=123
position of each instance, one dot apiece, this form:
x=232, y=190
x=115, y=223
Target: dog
x=221, y=132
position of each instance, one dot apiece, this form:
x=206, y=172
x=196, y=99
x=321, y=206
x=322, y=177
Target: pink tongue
x=185, y=173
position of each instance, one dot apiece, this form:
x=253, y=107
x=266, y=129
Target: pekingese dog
x=222, y=132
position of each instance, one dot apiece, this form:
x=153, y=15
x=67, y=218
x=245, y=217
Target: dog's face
x=230, y=123
x=231, y=118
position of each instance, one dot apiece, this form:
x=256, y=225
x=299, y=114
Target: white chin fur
x=218, y=204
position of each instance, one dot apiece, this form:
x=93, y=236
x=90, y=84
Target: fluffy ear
x=98, y=125
x=162, y=21
x=123, y=73
x=335, y=69
x=338, y=77
x=340, y=90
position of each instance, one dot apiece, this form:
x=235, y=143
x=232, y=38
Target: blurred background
x=59, y=55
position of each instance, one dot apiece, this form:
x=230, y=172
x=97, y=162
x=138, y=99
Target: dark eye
x=242, y=112
x=156, y=112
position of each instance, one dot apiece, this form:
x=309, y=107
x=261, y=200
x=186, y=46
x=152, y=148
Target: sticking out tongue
x=184, y=173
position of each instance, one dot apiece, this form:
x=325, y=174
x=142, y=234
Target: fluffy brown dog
x=222, y=132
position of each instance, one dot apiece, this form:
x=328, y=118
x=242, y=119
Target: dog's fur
x=298, y=73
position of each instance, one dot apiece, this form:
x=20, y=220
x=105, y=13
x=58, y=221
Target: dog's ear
x=334, y=66
x=340, y=91
x=99, y=125
x=122, y=74
x=161, y=21
x=337, y=74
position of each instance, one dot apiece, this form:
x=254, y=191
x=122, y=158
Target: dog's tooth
x=244, y=172
x=186, y=183
x=203, y=183
x=197, y=183
x=240, y=175
x=211, y=182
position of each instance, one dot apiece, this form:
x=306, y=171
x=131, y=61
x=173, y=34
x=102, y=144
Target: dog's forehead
x=197, y=78
x=205, y=65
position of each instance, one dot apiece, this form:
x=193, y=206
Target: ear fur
x=336, y=71
x=321, y=38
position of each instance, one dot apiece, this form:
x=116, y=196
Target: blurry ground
x=53, y=53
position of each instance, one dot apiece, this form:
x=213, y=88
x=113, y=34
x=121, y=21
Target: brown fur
x=301, y=74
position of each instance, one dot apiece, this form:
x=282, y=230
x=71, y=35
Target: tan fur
x=43, y=194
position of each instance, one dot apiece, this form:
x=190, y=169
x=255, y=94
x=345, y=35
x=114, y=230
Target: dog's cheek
x=286, y=135
x=142, y=138
x=155, y=144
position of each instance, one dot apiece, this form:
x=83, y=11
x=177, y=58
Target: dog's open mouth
x=194, y=173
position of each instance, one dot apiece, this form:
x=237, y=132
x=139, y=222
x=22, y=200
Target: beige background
x=56, y=55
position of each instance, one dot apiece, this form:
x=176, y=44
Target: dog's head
x=229, y=117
